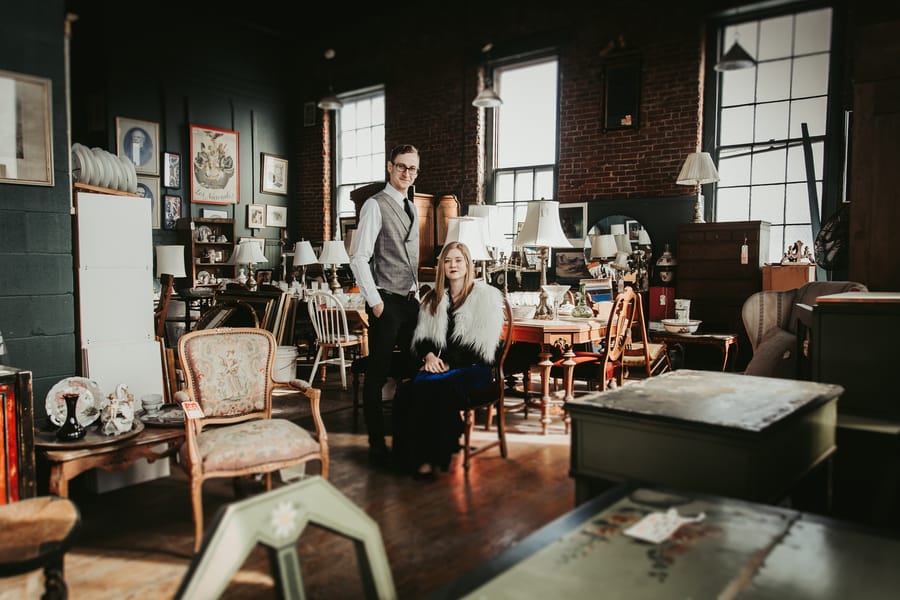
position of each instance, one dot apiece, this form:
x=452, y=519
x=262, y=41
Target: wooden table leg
x=569, y=383
x=545, y=364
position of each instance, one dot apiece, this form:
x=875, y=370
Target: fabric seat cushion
x=253, y=444
x=634, y=356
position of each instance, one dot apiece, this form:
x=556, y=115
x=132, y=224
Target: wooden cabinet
x=712, y=274
x=208, y=246
x=787, y=277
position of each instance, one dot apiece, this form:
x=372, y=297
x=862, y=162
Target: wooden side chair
x=490, y=398
x=641, y=357
x=329, y=320
x=228, y=373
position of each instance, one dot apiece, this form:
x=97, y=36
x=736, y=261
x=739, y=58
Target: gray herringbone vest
x=395, y=262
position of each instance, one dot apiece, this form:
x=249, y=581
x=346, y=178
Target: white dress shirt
x=363, y=245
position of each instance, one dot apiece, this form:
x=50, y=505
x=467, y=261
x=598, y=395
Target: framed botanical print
x=256, y=216
x=273, y=178
x=138, y=141
x=276, y=216
x=28, y=156
x=215, y=173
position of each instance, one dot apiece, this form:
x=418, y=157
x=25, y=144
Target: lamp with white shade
x=603, y=248
x=542, y=229
x=468, y=231
x=249, y=251
x=304, y=255
x=489, y=213
x=698, y=169
x=170, y=261
x=334, y=254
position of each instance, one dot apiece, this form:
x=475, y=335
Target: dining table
x=562, y=333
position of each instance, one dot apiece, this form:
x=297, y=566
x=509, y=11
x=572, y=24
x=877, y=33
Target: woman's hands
x=433, y=364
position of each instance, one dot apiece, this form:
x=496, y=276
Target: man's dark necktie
x=408, y=210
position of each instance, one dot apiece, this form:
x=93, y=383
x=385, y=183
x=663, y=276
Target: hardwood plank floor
x=136, y=541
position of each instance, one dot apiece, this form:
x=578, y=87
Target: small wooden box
x=787, y=277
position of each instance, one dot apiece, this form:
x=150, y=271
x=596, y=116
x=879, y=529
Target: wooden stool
x=36, y=533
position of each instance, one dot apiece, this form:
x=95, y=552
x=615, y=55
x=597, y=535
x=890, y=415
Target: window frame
x=338, y=184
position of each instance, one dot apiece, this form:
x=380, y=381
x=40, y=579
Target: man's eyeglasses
x=403, y=169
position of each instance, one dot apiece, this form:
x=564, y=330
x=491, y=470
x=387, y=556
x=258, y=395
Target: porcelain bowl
x=681, y=325
x=523, y=312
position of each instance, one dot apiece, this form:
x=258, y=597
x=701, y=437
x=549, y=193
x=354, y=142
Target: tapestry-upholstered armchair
x=228, y=373
x=770, y=318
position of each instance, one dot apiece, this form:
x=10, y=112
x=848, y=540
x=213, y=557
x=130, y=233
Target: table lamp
x=169, y=265
x=304, y=255
x=469, y=231
x=698, y=169
x=334, y=254
x=603, y=248
x=542, y=229
x=488, y=213
x=249, y=251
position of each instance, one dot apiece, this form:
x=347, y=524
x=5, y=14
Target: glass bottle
x=582, y=310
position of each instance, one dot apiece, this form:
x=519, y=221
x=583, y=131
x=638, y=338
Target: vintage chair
x=770, y=318
x=490, y=398
x=329, y=321
x=643, y=358
x=167, y=282
x=276, y=520
x=228, y=373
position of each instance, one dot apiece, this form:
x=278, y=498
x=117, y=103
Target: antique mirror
x=624, y=249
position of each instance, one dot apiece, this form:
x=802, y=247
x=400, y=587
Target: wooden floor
x=136, y=541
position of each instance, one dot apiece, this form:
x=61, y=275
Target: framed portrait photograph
x=171, y=211
x=256, y=216
x=573, y=217
x=172, y=170
x=148, y=187
x=569, y=266
x=215, y=173
x=138, y=141
x=274, y=170
x=28, y=157
x=276, y=216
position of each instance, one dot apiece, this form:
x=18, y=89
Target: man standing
x=385, y=262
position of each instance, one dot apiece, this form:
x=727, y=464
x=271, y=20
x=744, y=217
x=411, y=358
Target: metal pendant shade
x=331, y=102
x=736, y=58
x=487, y=98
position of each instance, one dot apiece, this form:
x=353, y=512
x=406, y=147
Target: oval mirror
x=623, y=245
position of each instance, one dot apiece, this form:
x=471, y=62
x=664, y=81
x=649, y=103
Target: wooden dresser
x=711, y=274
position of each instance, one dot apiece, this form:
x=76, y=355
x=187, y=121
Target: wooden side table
x=724, y=341
x=70, y=459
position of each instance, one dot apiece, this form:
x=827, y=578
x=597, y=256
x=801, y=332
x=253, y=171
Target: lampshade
x=170, y=261
x=603, y=246
x=643, y=237
x=487, y=98
x=249, y=252
x=303, y=254
x=735, y=58
x=333, y=253
x=621, y=261
x=542, y=226
x=622, y=243
x=488, y=215
x=698, y=168
x=468, y=231
x=330, y=102
x=617, y=229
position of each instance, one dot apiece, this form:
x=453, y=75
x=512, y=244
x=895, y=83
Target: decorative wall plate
x=89, y=397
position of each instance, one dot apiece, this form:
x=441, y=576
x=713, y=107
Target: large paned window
x=525, y=139
x=761, y=111
x=360, y=145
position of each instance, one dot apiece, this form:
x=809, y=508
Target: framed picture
x=274, y=171
x=276, y=216
x=597, y=290
x=256, y=216
x=569, y=266
x=171, y=211
x=28, y=157
x=138, y=141
x=172, y=170
x=215, y=169
x=622, y=93
x=632, y=230
x=264, y=276
x=212, y=213
x=148, y=187
x=573, y=218
x=346, y=224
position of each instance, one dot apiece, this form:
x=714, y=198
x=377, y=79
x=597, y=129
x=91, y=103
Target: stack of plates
x=95, y=166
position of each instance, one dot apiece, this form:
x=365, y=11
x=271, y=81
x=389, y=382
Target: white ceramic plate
x=96, y=169
x=79, y=170
x=128, y=168
x=87, y=408
x=86, y=164
x=104, y=177
x=112, y=166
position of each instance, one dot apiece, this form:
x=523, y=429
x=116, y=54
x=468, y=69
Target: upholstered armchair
x=770, y=318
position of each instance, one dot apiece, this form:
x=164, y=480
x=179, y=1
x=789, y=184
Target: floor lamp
x=542, y=229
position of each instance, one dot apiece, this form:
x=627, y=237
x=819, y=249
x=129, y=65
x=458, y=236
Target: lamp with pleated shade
x=542, y=229
x=334, y=254
x=304, y=255
x=698, y=169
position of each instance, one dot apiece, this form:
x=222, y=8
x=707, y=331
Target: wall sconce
x=330, y=101
x=698, y=169
x=487, y=97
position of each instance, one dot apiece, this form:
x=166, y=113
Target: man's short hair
x=403, y=149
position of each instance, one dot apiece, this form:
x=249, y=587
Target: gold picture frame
x=27, y=156
x=138, y=141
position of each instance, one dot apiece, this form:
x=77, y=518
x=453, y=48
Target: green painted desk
x=719, y=433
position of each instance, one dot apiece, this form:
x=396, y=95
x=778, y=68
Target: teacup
x=151, y=403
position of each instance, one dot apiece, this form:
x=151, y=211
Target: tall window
x=360, y=145
x=759, y=136
x=525, y=139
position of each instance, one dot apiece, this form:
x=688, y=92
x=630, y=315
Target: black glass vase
x=71, y=429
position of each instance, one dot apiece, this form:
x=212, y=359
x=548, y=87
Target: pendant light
x=330, y=101
x=487, y=98
x=736, y=58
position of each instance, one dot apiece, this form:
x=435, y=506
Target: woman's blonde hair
x=433, y=297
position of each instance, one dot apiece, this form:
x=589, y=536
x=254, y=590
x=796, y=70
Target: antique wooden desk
x=69, y=459
x=719, y=433
x=564, y=334
x=724, y=341
x=739, y=550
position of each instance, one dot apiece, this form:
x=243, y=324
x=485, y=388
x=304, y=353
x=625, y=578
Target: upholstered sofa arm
x=776, y=356
x=764, y=313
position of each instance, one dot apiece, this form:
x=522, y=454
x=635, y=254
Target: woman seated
x=456, y=339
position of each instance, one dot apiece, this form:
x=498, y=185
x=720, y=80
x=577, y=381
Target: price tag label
x=192, y=410
x=745, y=254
